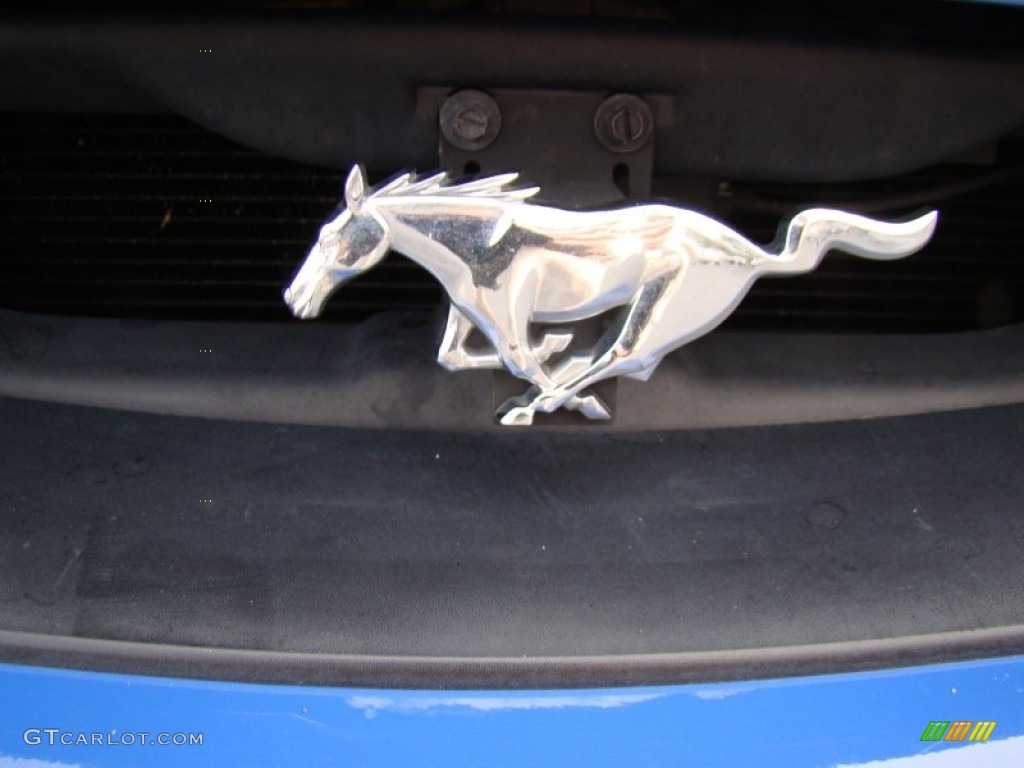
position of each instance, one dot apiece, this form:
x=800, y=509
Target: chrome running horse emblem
x=507, y=264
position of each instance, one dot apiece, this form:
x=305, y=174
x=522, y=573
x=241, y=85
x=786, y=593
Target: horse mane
x=489, y=187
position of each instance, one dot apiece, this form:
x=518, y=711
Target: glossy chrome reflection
x=508, y=264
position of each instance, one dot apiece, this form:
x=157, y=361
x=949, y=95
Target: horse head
x=348, y=245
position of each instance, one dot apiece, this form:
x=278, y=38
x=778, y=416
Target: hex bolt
x=470, y=120
x=623, y=123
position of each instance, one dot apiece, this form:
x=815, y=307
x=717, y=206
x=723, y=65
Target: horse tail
x=812, y=233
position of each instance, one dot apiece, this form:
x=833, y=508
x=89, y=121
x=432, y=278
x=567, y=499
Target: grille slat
x=151, y=216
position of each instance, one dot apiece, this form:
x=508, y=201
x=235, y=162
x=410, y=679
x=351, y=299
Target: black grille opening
x=151, y=216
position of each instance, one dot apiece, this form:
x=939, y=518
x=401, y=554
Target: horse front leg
x=520, y=411
x=520, y=356
x=616, y=360
x=511, y=336
x=454, y=355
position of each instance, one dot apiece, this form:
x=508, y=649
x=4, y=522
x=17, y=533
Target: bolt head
x=623, y=123
x=470, y=120
x=471, y=123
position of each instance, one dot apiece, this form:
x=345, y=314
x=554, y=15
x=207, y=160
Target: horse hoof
x=517, y=411
x=517, y=417
x=592, y=407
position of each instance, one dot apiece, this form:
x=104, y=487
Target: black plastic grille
x=151, y=216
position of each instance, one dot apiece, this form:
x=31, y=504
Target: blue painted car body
x=831, y=720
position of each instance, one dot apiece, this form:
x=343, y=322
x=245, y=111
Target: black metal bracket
x=583, y=148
